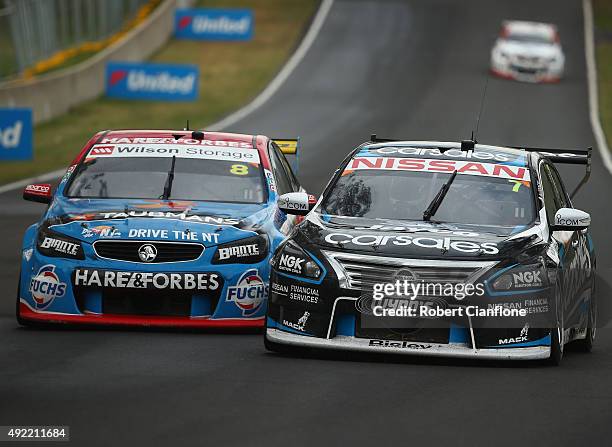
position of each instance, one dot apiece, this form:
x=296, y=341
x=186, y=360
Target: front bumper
x=348, y=343
x=544, y=73
x=239, y=301
x=26, y=312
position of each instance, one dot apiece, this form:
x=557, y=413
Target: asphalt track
x=410, y=69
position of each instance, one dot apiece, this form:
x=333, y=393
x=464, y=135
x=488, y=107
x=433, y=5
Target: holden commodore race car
x=159, y=228
x=440, y=249
x=528, y=51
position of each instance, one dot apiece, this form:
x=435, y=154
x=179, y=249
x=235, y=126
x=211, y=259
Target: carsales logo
x=45, y=286
x=249, y=292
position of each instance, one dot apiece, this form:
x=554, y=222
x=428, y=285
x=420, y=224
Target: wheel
x=20, y=321
x=556, y=346
x=586, y=344
x=556, y=338
x=276, y=347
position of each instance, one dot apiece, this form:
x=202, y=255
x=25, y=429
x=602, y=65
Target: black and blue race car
x=158, y=228
x=438, y=248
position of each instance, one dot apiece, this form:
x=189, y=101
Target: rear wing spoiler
x=566, y=156
x=290, y=146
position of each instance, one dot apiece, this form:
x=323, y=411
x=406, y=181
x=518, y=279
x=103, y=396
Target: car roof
x=452, y=151
x=546, y=30
x=212, y=136
x=259, y=142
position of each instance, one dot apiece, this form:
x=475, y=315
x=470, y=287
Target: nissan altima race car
x=528, y=51
x=440, y=249
x=158, y=228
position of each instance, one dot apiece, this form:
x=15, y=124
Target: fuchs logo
x=45, y=286
x=290, y=263
x=527, y=279
x=301, y=323
x=249, y=292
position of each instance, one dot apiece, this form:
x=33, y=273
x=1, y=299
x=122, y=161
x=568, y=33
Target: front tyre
x=20, y=321
x=275, y=347
x=586, y=344
x=556, y=337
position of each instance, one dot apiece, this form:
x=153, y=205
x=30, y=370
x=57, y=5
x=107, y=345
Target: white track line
x=589, y=50
x=232, y=119
x=49, y=176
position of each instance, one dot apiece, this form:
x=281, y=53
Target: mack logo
x=527, y=279
x=290, y=263
x=506, y=341
x=301, y=323
x=398, y=344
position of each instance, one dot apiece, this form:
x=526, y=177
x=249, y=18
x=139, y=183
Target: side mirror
x=298, y=203
x=38, y=192
x=569, y=219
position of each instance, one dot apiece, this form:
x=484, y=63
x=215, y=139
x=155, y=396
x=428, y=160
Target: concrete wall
x=55, y=93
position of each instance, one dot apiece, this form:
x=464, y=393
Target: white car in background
x=528, y=51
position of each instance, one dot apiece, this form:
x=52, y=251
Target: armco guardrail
x=53, y=94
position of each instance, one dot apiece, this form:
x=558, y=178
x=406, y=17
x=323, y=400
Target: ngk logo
x=290, y=263
x=527, y=279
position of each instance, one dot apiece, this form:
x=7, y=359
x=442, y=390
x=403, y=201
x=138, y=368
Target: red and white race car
x=528, y=51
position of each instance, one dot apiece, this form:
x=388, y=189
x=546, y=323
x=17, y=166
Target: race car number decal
x=239, y=169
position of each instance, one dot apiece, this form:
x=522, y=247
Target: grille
x=361, y=272
x=166, y=251
x=149, y=302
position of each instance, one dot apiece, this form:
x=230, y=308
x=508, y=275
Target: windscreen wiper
x=169, y=180
x=437, y=200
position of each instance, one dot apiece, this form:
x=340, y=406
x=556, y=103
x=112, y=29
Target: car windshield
x=529, y=38
x=145, y=177
x=404, y=195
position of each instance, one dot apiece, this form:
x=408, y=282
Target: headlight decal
x=302, y=267
x=56, y=245
x=244, y=251
x=517, y=279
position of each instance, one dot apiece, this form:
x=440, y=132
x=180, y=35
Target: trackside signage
x=156, y=82
x=214, y=24
x=15, y=134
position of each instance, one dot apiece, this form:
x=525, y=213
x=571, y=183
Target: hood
x=539, y=50
x=414, y=239
x=207, y=223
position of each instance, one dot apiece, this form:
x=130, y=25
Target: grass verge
x=602, y=10
x=231, y=74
